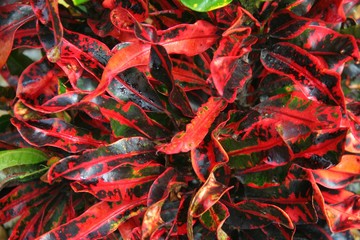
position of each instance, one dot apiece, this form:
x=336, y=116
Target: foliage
x=147, y=120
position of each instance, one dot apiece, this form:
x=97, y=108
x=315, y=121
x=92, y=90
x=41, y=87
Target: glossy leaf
x=229, y=68
x=98, y=221
x=343, y=215
x=22, y=197
x=48, y=13
x=12, y=17
x=209, y=193
x=294, y=196
x=129, y=120
x=56, y=133
x=195, y=38
x=250, y=214
x=21, y=156
x=38, y=82
x=214, y=218
x=135, y=182
x=196, y=130
x=94, y=163
x=316, y=83
x=286, y=25
x=16, y=175
x=161, y=69
x=332, y=47
x=205, y=5
x=207, y=156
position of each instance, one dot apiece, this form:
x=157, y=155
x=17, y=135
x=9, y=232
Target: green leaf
x=24, y=156
x=19, y=174
x=205, y=5
x=79, y=2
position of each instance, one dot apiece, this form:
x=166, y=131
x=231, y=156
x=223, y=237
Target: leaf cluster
x=141, y=119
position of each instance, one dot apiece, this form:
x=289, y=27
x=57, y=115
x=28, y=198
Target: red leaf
x=48, y=13
x=21, y=198
x=11, y=18
x=160, y=188
x=229, y=71
x=344, y=215
x=286, y=25
x=330, y=11
x=161, y=69
x=329, y=45
x=305, y=70
x=196, y=130
x=128, y=120
x=26, y=36
x=38, y=83
x=98, y=221
x=56, y=133
x=207, y=156
x=188, y=39
x=209, y=194
x=250, y=214
x=94, y=163
x=135, y=182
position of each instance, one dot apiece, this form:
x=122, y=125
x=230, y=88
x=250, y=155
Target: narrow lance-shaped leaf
x=214, y=218
x=11, y=18
x=315, y=81
x=161, y=69
x=294, y=196
x=196, y=130
x=209, y=194
x=98, y=221
x=93, y=163
x=250, y=214
x=286, y=25
x=344, y=215
x=333, y=47
x=124, y=183
x=21, y=198
x=207, y=156
x=320, y=149
x=128, y=119
x=56, y=133
x=48, y=13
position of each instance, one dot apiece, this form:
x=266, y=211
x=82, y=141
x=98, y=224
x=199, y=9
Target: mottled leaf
x=128, y=120
x=195, y=38
x=209, y=194
x=330, y=46
x=316, y=82
x=250, y=214
x=135, y=182
x=94, y=163
x=56, y=133
x=98, y=221
x=196, y=130
x=11, y=18
x=286, y=25
x=344, y=215
x=48, y=14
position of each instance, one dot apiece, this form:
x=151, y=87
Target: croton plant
x=180, y=119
